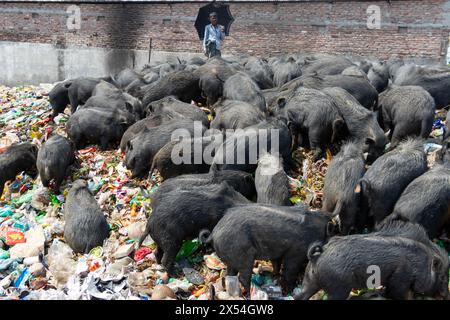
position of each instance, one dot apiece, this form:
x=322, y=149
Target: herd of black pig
x=382, y=205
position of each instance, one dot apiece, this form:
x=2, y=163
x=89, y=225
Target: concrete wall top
x=188, y=1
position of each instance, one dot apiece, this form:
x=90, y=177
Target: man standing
x=214, y=35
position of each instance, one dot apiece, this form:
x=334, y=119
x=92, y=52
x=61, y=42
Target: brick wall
x=259, y=28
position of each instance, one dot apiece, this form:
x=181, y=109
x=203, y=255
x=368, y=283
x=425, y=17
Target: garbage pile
x=35, y=263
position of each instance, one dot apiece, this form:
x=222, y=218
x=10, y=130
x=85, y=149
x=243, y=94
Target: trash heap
x=35, y=263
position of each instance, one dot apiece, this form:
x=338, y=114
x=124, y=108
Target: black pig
x=314, y=118
x=85, y=225
x=389, y=175
x=144, y=146
x=267, y=232
x=74, y=91
x=181, y=214
x=240, y=181
x=426, y=200
x=97, y=125
x=17, y=158
x=343, y=264
x=407, y=112
x=361, y=123
x=53, y=159
x=340, y=193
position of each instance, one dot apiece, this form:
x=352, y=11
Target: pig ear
x=129, y=145
x=248, y=179
x=364, y=185
x=338, y=129
x=331, y=229
x=370, y=141
x=436, y=264
x=358, y=188
x=34, y=148
x=149, y=108
x=129, y=107
x=281, y=102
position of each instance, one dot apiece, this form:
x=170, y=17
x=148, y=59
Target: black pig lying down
x=54, y=158
x=98, y=126
x=389, y=175
x=406, y=258
x=267, y=232
x=341, y=197
x=272, y=183
x=85, y=225
x=240, y=181
x=181, y=214
x=426, y=200
x=17, y=158
x=407, y=112
x=145, y=145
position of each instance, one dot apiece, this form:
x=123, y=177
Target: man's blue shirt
x=214, y=34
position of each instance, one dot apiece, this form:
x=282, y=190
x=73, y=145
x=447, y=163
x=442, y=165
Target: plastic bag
x=232, y=286
x=60, y=261
x=6, y=211
x=188, y=248
x=25, y=198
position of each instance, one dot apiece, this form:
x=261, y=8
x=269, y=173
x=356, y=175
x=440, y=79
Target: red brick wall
x=259, y=28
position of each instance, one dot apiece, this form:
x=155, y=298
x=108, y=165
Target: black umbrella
x=223, y=14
